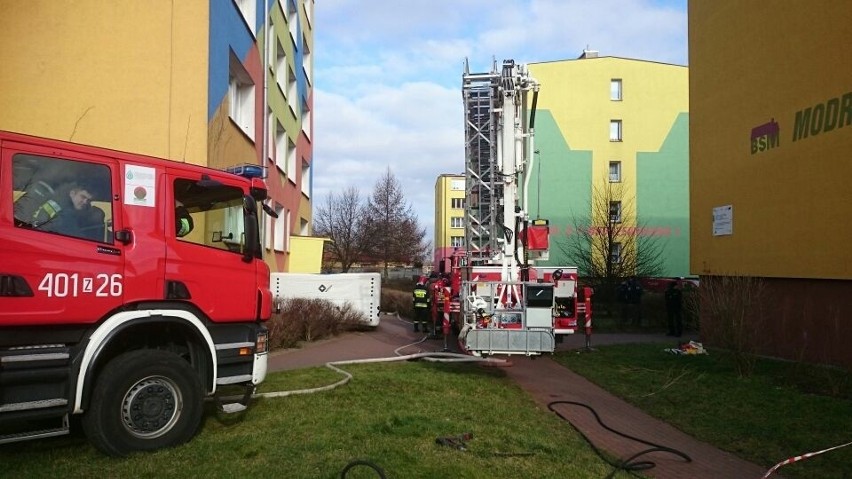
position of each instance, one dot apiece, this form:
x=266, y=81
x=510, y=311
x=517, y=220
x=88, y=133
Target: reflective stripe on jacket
x=421, y=298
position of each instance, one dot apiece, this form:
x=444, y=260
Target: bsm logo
x=765, y=137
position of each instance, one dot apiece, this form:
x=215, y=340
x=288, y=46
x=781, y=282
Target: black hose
x=532, y=109
x=361, y=462
x=628, y=465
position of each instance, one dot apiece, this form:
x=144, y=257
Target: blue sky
x=387, y=75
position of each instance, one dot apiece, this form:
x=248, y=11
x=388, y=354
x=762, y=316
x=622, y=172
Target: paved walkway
x=547, y=381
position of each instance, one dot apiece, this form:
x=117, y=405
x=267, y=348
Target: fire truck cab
x=131, y=288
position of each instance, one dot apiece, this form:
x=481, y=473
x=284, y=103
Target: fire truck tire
x=144, y=400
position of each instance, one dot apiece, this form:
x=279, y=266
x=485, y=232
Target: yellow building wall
x=657, y=93
x=306, y=254
x=121, y=75
x=751, y=64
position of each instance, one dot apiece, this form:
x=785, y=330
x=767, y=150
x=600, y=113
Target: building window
x=280, y=239
x=292, y=19
x=615, y=89
x=291, y=90
x=279, y=63
x=615, y=211
x=306, y=120
x=287, y=236
x=457, y=203
x=270, y=47
x=615, y=130
x=457, y=241
x=615, y=257
x=307, y=60
x=267, y=233
x=457, y=222
x=281, y=147
x=306, y=179
x=248, y=9
x=241, y=97
x=614, y=171
x=291, y=161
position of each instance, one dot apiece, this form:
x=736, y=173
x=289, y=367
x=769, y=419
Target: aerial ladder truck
x=492, y=293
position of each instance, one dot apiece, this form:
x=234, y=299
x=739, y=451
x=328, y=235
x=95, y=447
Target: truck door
x=205, y=242
x=59, y=263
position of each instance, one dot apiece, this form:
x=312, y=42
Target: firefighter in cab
x=421, y=306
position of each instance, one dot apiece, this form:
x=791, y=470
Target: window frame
x=617, y=177
x=616, y=254
x=241, y=97
x=618, y=133
x=616, y=92
x=305, y=179
x=280, y=225
x=615, y=205
x=248, y=10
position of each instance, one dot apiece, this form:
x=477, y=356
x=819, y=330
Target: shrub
x=731, y=316
x=310, y=320
x=397, y=301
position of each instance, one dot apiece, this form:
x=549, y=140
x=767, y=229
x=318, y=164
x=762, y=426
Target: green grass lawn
x=392, y=413
x=784, y=409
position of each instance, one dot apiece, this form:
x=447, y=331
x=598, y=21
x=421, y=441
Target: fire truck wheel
x=144, y=400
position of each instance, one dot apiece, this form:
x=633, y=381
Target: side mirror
x=252, y=247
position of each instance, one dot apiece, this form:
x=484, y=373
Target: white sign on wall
x=723, y=220
x=457, y=185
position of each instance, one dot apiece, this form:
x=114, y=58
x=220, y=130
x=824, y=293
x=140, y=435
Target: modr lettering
x=823, y=117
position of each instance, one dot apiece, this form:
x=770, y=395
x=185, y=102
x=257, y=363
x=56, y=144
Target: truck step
x=244, y=378
x=25, y=406
x=234, y=404
x=233, y=407
x=38, y=355
x=62, y=430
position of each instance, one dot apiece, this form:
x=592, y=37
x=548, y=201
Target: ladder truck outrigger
x=491, y=293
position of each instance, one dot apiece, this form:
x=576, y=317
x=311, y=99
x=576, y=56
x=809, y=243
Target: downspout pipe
x=264, y=154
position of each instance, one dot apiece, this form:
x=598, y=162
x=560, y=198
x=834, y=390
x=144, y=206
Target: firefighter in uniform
x=421, y=307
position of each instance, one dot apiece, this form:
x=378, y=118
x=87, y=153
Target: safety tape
x=801, y=458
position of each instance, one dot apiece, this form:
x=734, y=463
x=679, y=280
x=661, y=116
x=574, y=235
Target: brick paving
x=547, y=381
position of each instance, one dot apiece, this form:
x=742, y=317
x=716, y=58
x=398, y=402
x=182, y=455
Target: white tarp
x=362, y=290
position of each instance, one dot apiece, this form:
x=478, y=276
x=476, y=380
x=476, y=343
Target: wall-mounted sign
x=723, y=220
x=830, y=115
x=765, y=136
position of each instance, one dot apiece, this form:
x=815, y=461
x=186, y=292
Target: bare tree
x=341, y=219
x=612, y=242
x=394, y=234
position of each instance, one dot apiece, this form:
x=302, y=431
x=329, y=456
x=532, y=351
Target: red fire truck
x=131, y=289
x=492, y=292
